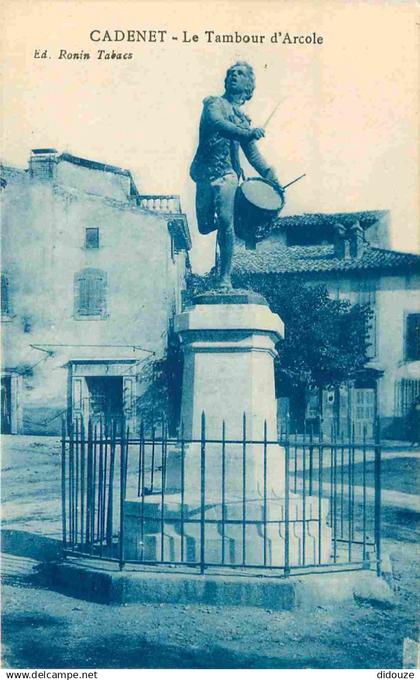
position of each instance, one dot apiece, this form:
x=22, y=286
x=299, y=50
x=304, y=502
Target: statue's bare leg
x=225, y=191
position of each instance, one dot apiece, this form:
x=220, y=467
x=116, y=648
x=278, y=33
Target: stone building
x=92, y=274
x=350, y=253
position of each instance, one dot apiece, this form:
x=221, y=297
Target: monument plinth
x=228, y=469
x=229, y=339
x=229, y=348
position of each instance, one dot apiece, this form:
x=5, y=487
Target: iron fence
x=283, y=506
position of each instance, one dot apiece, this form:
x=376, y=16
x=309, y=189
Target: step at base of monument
x=107, y=585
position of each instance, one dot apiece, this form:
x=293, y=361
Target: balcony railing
x=160, y=203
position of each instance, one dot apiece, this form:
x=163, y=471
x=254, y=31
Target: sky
x=347, y=115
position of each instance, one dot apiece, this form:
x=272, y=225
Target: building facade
x=92, y=274
x=349, y=253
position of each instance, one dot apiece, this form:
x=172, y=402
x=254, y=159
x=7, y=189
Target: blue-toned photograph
x=210, y=311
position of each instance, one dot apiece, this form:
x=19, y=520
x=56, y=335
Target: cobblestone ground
x=44, y=629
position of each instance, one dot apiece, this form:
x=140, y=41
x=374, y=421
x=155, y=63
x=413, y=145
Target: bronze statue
x=216, y=169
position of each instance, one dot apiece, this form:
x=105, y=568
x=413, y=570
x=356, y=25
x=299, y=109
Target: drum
x=258, y=203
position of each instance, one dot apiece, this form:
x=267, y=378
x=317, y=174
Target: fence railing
x=291, y=505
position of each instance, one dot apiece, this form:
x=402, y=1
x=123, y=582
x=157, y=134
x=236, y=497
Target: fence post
x=63, y=482
x=71, y=485
x=378, y=496
x=152, y=464
x=99, y=479
x=265, y=493
x=223, y=490
x=110, y=508
x=244, y=489
x=102, y=477
x=89, y=510
x=320, y=481
x=123, y=475
x=287, y=501
x=182, y=490
x=94, y=480
x=77, y=459
x=311, y=458
x=142, y=483
x=364, y=554
x=304, y=495
x=203, y=493
x=83, y=494
x=162, y=492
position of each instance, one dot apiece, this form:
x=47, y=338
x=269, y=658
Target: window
x=412, y=337
x=90, y=293
x=366, y=295
x=5, y=296
x=92, y=237
x=406, y=391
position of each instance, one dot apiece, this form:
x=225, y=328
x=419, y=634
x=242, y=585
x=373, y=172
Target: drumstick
x=293, y=181
x=273, y=112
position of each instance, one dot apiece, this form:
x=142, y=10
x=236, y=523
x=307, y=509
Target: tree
x=325, y=342
x=162, y=378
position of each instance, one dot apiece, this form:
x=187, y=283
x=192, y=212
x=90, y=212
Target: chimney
x=42, y=163
x=357, y=240
x=341, y=244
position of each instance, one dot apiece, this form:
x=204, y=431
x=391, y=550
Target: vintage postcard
x=210, y=378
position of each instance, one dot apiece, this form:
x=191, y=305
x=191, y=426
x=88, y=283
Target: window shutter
x=94, y=293
x=372, y=335
x=90, y=293
x=413, y=337
x=84, y=295
x=366, y=295
x=5, y=300
x=101, y=282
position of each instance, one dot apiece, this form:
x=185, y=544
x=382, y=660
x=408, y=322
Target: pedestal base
x=253, y=534
x=231, y=471
x=223, y=499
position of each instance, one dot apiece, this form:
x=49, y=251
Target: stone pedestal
x=229, y=348
x=239, y=513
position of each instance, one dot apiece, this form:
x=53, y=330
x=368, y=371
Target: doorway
x=364, y=411
x=105, y=396
x=6, y=404
x=102, y=390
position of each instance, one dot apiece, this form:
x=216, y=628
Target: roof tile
x=295, y=259
x=365, y=217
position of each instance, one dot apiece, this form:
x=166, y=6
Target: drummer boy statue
x=216, y=169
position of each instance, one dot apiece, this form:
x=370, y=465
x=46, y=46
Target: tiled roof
x=365, y=217
x=283, y=259
x=94, y=165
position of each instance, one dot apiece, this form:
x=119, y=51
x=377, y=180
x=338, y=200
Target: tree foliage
x=162, y=380
x=326, y=340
